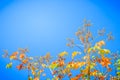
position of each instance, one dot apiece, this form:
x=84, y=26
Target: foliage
x=92, y=56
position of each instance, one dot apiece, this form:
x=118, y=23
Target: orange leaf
x=19, y=67
x=25, y=61
x=22, y=55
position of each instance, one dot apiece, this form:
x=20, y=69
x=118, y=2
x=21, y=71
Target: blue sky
x=43, y=26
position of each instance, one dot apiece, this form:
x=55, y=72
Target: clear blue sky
x=44, y=25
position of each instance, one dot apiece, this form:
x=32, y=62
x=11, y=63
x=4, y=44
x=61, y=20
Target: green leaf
x=9, y=65
x=92, y=65
x=118, y=60
x=118, y=73
x=93, y=57
x=48, y=79
x=118, y=68
x=30, y=78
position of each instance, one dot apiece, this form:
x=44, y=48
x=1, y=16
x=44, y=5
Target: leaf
x=33, y=72
x=14, y=55
x=44, y=65
x=19, y=67
x=9, y=65
x=33, y=68
x=55, y=78
x=39, y=72
x=92, y=65
x=90, y=49
x=97, y=48
x=25, y=61
x=104, y=51
x=75, y=53
x=118, y=73
x=61, y=63
x=93, y=73
x=36, y=78
x=77, y=77
x=75, y=66
x=63, y=54
x=118, y=68
x=30, y=78
x=60, y=76
x=105, y=62
x=100, y=43
x=22, y=55
x=118, y=61
x=48, y=79
x=70, y=65
x=81, y=64
x=85, y=71
x=93, y=57
x=74, y=78
x=53, y=65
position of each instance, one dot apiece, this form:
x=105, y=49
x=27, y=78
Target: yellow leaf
x=53, y=65
x=97, y=48
x=63, y=54
x=13, y=57
x=107, y=51
x=104, y=51
x=81, y=64
x=74, y=54
x=44, y=65
x=90, y=49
